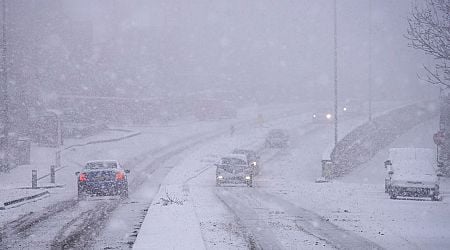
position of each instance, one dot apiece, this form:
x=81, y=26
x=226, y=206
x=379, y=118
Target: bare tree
x=429, y=31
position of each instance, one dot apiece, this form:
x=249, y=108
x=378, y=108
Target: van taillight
x=120, y=176
x=82, y=177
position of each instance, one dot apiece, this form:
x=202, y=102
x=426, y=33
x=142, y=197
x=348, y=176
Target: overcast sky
x=265, y=48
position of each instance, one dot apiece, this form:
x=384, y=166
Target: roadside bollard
x=52, y=174
x=34, y=178
x=327, y=166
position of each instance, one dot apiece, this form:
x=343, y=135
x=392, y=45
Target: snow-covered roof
x=419, y=154
x=106, y=161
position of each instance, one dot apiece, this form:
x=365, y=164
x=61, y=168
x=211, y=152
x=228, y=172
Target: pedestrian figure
x=232, y=129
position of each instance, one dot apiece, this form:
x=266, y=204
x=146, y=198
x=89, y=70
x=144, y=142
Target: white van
x=411, y=172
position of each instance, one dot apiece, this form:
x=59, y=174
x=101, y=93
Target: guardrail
x=361, y=144
x=22, y=199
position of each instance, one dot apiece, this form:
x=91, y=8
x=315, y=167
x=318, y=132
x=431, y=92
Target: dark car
x=234, y=170
x=102, y=178
x=277, y=138
x=252, y=159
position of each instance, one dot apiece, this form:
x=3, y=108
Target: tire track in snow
x=22, y=228
x=254, y=242
x=315, y=224
x=243, y=202
x=263, y=239
x=307, y=220
x=258, y=229
x=99, y=216
x=93, y=226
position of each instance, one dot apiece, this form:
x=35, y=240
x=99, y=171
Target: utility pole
x=335, y=77
x=4, y=94
x=370, y=60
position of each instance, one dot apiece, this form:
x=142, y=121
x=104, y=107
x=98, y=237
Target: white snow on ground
x=147, y=191
x=125, y=151
x=169, y=207
x=358, y=203
x=197, y=177
x=362, y=208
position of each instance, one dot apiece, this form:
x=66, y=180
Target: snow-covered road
x=172, y=186
x=195, y=183
x=61, y=221
x=287, y=209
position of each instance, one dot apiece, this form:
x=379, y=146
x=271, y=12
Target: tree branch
x=429, y=31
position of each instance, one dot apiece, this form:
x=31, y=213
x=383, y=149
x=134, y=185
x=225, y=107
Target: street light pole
x=335, y=77
x=4, y=92
x=370, y=60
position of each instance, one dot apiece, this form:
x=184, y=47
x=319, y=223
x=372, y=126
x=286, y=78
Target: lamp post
x=335, y=77
x=370, y=60
x=4, y=94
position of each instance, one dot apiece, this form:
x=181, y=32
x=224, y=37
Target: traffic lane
x=205, y=177
x=58, y=226
x=285, y=229
x=267, y=215
x=298, y=162
x=236, y=139
x=197, y=178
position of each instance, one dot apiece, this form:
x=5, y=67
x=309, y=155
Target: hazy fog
x=264, y=49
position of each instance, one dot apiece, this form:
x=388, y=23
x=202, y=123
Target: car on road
x=411, y=172
x=346, y=109
x=253, y=159
x=277, y=138
x=351, y=107
x=234, y=169
x=324, y=116
x=102, y=177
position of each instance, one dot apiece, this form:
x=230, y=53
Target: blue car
x=102, y=178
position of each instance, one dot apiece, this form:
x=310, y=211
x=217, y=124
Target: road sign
x=439, y=137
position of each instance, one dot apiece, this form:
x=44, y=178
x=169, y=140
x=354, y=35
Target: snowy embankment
x=361, y=144
x=357, y=202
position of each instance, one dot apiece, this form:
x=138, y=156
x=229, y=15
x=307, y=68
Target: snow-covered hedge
x=83, y=130
x=360, y=145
